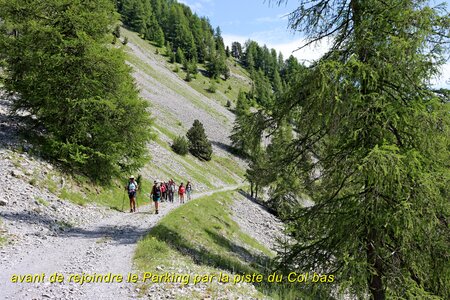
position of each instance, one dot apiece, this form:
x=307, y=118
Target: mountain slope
x=175, y=104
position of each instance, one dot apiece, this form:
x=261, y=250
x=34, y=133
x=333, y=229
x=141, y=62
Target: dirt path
x=103, y=247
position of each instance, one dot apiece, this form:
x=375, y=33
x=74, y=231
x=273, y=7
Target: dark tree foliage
x=236, y=50
x=163, y=21
x=179, y=56
x=269, y=73
x=116, y=31
x=227, y=51
x=371, y=148
x=246, y=134
x=77, y=89
x=180, y=145
x=262, y=90
x=199, y=145
x=217, y=66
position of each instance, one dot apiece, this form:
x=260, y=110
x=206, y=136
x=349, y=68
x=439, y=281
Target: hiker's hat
x=131, y=177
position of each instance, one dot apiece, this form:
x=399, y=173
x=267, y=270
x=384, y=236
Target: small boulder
x=16, y=173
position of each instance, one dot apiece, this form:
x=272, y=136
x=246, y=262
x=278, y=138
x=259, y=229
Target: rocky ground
x=256, y=221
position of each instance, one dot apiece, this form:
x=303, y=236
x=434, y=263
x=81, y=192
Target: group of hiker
x=161, y=191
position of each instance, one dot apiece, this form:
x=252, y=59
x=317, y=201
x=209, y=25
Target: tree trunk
x=375, y=281
x=375, y=272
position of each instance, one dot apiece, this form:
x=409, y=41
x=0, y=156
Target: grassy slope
x=201, y=237
x=226, y=90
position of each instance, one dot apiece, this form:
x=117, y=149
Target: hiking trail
x=102, y=246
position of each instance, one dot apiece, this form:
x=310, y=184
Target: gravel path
x=103, y=246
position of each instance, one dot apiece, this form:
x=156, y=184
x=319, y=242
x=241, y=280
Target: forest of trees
x=364, y=136
x=190, y=39
x=185, y=35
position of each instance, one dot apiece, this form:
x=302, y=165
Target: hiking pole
x=137, y=203
x=123, y=200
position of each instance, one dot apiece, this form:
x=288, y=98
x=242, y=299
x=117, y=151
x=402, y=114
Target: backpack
x=131, y=186
x=172, y=188
x=157, y=193
x=181, y=190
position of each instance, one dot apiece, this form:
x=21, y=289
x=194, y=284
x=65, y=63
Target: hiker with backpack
x=188, y=190
x=156, y=195
x=181, y=191
x=166, y=196
x=132, y=187
x=172, y=189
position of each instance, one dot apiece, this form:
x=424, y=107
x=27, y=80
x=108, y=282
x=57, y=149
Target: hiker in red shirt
x=181, y=191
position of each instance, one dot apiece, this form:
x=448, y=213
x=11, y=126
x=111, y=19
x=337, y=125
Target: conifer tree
x=236, y=50
x=246, y=133
x=217, y=66
x=159, y=37
x=199, y=145
x=371, y=149
x=277, y=83
x=179, y=57
x=116, y=31
x=261, y=89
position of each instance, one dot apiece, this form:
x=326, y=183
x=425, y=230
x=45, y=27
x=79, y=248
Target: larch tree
x=375, y=133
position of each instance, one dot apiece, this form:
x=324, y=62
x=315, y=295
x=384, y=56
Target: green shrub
x=212, y=86
x=188, y=77
x=116, y=31
x=180, y=145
